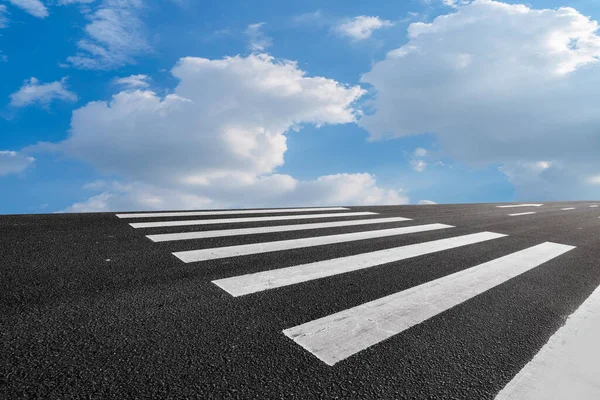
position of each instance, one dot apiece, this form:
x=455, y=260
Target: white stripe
x=525, y=213
x=338, y=336
x=568, y=208
x=248, y=219
x=227, y=212
x=251, y=283
x=268, y=229
x=255, y=248
x=594, y=205
x=520, y=205
x=567, y=366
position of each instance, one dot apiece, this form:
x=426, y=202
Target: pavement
x=90, y=307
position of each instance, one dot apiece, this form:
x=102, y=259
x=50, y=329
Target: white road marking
x=338, y=336
x=525, y=213
x=255, y=248
x=594, y=205
x=520, y=205
x=161, y=224
x=226, y=212
x=252, y=283
x=567, y=366
x=568, y=208
x=268, y=229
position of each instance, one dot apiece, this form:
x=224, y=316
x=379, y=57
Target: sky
x=115, y=105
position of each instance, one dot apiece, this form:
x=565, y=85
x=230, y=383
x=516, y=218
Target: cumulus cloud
x=139, y=81
x=114, y=36
x=34, y=92
x=268, y=191
x=257, y=40
x=12, y=162
x=426, y=202
x=231, y=112
x=497, y=83
x=33, y=7
x=218, y=139
x=361, y=27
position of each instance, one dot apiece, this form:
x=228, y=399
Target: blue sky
x=130, y=104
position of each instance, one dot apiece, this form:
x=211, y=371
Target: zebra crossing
x=163, y=224
x=529, y=206
x=338, y=336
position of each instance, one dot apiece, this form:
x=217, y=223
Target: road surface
x=476, y=301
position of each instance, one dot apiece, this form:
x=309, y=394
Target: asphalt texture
x=91, y=308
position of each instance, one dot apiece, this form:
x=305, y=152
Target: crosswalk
x=341, y=335
x=519, y=205
x=530, y=206
x=246, y=249
x=338, y=336
x=523, y=213
x=163, y=224
x=252, y=283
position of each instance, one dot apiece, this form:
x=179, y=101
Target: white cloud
x=226, y=117
x=426, y=202
x=34, y=92
x=361, y=27
x=217, y=140
x=420, y=152
x=552, y=180
x=68, y=2
x=497, y=83
x=257, y=40
x=418, y=165
x=133, y=81
x=3, y=17
x=96, y=185
x=267, y=191
x=534, y=180
x=12, y=162
x=114, y=36
x=456, y=3
x=33, y=7
x=315, y=17
x=594, y=180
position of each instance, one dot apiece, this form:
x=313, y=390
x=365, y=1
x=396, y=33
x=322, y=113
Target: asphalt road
x=92, y=308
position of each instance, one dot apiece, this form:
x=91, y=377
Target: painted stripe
x=269, y=229
x=248, y=219
x=226, y=212
x=520, y=205
x=265, y=247
x=252, y=283
x=525, y=213
x=594, y=205
x=567, y=366
x=339, y=336
x=568, y=208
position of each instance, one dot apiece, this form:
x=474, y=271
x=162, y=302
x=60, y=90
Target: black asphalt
x=91, y=308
